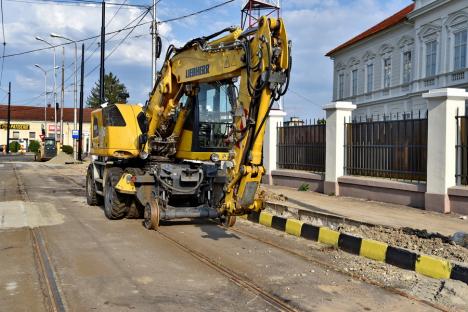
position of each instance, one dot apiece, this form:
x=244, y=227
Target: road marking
x=2, y=165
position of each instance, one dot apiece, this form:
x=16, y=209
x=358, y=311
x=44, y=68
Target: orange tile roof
x=385, y=24
x=36, y=113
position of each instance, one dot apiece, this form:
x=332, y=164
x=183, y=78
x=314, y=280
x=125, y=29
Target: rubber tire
x=92, y=198
x=115, y=204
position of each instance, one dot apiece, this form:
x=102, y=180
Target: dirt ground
x=410, y=239
x=420, y=241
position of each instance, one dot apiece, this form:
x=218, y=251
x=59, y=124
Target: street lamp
x=53, y=35
x=45, y=95
x=55, y=85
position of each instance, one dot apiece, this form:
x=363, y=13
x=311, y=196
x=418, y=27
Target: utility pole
x=154, y=47
x=62, y=96
x=103, y=51
x=8, y=119
x=80, y=130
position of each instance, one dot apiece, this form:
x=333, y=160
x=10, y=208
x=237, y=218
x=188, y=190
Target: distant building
x=27, y=123
x=385, y=69
x=294, y=121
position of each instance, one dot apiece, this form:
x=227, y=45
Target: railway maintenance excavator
x=194, y=150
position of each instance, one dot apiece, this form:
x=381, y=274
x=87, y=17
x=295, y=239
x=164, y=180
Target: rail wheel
x=92, y=198
x=151, y=215
x=115, y=206
x=228, y=221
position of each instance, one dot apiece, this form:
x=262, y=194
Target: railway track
x=47, y=275
x=273, y=300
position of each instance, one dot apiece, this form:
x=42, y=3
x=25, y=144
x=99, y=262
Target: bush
x=14, y=147
x=304, y=187
x=67, y=149
x=34, y=146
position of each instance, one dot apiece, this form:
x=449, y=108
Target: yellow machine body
x=115, y=131
x=182, y=130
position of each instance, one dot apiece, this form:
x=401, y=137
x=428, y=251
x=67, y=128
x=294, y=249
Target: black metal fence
x=387, y=146
x=462, y=150
x=301, y=146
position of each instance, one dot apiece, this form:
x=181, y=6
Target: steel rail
x=44, y=268
x=236, y=278
x=271, y=299
x=242, y=282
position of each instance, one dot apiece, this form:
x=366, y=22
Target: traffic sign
x=75, y=134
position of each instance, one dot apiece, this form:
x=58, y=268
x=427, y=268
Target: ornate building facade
x=385, y=69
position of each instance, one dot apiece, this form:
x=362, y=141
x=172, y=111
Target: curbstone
x=427, y=265
x=374, y=250
x=433, y=267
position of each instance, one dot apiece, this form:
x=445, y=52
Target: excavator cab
x=207, y=128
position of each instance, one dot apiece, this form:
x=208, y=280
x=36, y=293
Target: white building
x=385, y=69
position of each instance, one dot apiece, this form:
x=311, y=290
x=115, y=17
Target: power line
x=120, y=43
x=141, y=16
x=304, y=97
x=120, y=30
x=82, y=3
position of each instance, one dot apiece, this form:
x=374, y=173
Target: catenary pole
x=80, y=130
x=62, y=96
x=8, y=119
x=103, y=50
x=154, y=34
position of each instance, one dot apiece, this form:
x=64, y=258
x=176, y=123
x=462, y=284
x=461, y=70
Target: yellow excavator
x=194, y=150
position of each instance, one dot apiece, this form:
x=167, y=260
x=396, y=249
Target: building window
x=370, y=78
x=341, y=86
x=431, y=58
x=407, y=67
x=32, y=135
x=460, y=50
x=387, y=72
x=355, y=82
x=15, y=134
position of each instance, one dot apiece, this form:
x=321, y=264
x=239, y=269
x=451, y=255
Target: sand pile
x=62, y=159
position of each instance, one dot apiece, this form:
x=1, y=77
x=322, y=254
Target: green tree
x=14, y=147
x=114, y=92
x=34, y=146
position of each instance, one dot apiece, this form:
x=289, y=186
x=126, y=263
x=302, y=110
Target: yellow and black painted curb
x=427, y=265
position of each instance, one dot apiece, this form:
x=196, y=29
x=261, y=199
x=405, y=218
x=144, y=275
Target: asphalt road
x=78, y=258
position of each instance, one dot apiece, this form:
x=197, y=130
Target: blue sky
x=314, y=26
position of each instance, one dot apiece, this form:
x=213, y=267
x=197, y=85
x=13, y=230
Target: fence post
x=336, y=114
x=270, y=143
x=442, y=106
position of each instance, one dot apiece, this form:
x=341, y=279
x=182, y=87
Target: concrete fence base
x=376, y=189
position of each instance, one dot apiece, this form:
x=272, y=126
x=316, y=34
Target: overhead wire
x=94, y=41
x=131, y=28
x=83, y=3
x=120, y=30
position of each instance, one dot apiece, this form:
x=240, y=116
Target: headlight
x=214, y=157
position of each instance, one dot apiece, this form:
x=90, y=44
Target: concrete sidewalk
x=369, y=212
